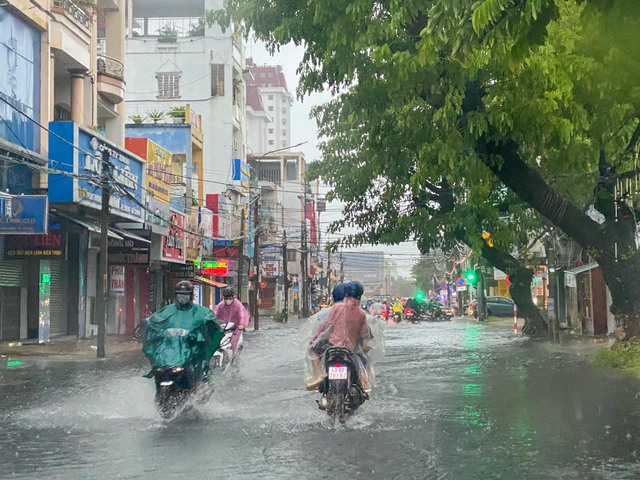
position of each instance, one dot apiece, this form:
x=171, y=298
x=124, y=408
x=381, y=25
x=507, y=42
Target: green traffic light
x=471, y=276
x=419, y=296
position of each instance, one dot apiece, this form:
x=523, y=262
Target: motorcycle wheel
x=335, y=403
x=165, y=402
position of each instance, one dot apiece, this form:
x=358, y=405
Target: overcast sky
x=304, y=130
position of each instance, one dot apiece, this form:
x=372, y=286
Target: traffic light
x=471, y=276
x=419, y=296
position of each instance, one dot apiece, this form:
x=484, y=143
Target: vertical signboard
x=173, y=244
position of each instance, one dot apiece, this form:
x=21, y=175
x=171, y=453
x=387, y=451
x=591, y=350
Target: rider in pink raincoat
x=230, y=309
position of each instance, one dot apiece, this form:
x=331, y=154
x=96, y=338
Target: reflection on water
x=454, y=401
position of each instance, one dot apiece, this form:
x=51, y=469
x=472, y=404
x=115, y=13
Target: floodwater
x=454, y=400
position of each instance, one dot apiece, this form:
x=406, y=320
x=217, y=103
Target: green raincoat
x=194, y=345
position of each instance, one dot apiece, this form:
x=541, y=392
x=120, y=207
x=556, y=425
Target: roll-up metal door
x=58, y=298
x=10, y=270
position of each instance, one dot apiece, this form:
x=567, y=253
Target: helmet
x=184, y=293
x=184, y=286
x=354, y=289
x=338, y=292
x=228, y=292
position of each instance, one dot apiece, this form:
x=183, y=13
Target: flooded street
x=454, y=400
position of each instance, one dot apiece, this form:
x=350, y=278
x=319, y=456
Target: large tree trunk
x=521, y=278
x=611, y=244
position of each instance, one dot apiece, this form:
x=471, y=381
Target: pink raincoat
x=348, y=324
x=235, y=313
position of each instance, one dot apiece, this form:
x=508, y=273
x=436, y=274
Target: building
x=173, y=58
x=268, y=108
x=55, y=73
x=367, y=268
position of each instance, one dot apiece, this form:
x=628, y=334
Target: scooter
x=341, y=391
x=223, y=357
x=175, y=384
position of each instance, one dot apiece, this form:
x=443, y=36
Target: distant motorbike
x=224, y=357
x=413, y=316
x=341, y=391
x=397, y=317
x=439, y=312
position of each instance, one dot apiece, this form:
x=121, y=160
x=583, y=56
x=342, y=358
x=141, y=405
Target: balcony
x=70, y=9
x=110, y=78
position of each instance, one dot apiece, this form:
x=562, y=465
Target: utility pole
x=305, y=253
x=285, y=272
x=328, y=274
x=241, y=254
x=341, y=268
x=103, y=277
x=256, y=260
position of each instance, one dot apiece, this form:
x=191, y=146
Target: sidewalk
x=70, y=346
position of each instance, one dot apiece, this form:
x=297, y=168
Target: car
x=496, y=307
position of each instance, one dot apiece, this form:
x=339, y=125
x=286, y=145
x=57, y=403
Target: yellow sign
x=159, y=174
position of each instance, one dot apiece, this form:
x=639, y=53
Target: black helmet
x=184, y=286
x=354, y=289
x=228, y=292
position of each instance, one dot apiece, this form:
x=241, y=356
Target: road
x=454, y=400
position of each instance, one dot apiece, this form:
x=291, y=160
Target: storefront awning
x=582, y=268
x=92, y=227
x=213, y=283
x=131, y=235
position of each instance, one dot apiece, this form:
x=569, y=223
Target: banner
x=24, y=214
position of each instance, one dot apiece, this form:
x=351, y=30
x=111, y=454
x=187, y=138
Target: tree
x=540, y=94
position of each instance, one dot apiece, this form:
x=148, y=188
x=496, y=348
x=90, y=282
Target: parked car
x=496, y=307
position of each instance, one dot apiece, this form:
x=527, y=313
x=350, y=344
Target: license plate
x=337, y=373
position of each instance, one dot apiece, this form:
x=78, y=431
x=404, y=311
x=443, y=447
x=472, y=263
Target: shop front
x=77, y=197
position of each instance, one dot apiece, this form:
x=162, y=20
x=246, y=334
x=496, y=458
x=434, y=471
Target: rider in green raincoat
x=182, y=335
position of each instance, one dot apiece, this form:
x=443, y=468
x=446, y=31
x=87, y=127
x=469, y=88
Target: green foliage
x=279, y=317
x=623, y=356
x=137, y=119
x=419, y=84
x=156, y=115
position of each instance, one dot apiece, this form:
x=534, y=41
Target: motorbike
x=224, y=357
x=397, y=317
x=341, y=390
x=176, y=384
x=413, y=316
x=439, y=312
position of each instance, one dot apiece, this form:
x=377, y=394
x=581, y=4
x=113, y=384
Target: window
x=284, y=111
x=271, y=130
x=270, y=97
x=270, y=142
x=217, y=80
x=292, y=255
x=262, y=75
x=284, y=133
x=270, y=108
x=168, y=85
x=284, y=144
x=284, y=121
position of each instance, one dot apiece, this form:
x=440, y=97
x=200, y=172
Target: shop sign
x=129, y=251
x=270, y=269
x=117, y=281
x=23, y=214
x=186, y=272
x=159, y=176
x=173, y=244
x=51, y=245
x=219, y=268
x=193, y=240
x=225, y=252
x=69, y=140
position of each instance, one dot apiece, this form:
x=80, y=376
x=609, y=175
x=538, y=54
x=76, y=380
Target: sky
x=405, y=254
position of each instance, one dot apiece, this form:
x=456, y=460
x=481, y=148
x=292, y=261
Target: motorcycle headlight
x=177, y=369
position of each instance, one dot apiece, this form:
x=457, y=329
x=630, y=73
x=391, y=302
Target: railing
x=74, y=12
x=110, y=66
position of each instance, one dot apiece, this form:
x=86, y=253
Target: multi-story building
x=55, y=73
x=367, y=268
x=173, y=57
x=273, y=108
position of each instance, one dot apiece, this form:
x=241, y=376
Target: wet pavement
x=454, y=400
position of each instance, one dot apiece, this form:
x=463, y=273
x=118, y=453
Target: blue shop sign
x=78, y=151
x=23, y=214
